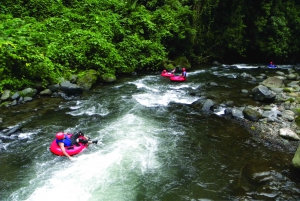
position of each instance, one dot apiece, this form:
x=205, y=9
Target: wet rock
x=244, y=91
x=292, y=76
x=46, y=92
x=293, y=84
x=262, y=93
x=87, y=79
x=288, y=114
x=11, y=131
x=27, y=99
x=5, y=96
x=270, y=115
x=281, y=77
x=251, y=114
x=207, y=105
x=273, y=82
x=237, y=112
x=14, y=103
x=15, y=96
x=245, y=75
x=70, y=89
x=288, y=134
x=280, y=73
x=29, y=92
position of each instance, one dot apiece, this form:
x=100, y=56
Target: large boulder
x=273, y=82
x=86, y=80
x=262, y=93
x=70, y=89
x=66, y=87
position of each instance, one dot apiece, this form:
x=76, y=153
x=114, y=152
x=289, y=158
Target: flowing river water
x=153, y=144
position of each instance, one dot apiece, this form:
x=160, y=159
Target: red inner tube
x=178, y=79
x=71, y=150
x=167, y=74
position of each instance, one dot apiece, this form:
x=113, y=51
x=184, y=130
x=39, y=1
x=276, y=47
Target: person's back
x=183, y=74
x=63, y=138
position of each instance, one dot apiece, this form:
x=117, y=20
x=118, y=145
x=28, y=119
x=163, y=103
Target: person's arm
x=62, y=147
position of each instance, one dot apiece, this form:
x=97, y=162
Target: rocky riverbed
x=274, y=122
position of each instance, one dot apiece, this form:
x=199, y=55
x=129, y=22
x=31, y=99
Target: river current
x=153, y=144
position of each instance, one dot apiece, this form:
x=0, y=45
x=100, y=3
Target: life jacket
x=184, y=73
x=67, y=141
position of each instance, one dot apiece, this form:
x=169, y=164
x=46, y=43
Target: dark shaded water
x=154, y=145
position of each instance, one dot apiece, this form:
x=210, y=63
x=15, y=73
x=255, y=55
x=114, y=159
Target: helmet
x=164, y=71
x=271, y=62
x=60, y=135
x=183, y=69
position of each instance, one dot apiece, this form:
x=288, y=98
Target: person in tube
x=63, y=141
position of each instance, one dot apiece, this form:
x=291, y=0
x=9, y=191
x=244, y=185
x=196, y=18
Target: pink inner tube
x=71, y=150
x=167, y=74
x=177, y=79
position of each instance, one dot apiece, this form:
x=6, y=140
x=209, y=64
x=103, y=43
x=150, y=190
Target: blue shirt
x=67, y=141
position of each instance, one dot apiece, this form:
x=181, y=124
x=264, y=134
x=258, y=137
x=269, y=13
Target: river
x=153, y=144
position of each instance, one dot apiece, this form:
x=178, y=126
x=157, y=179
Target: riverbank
x=265, y=129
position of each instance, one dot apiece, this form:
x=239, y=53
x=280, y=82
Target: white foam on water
x=150, y=100
x=103, y=172
x=245, y=66
x=143, y=84
x=153, y=100
x=162, y=95
x=25, y=135
x=77, y=106
x=196, y=72
x=220, y=111
x=112, y=170
x=222, y=74
x=89, y=109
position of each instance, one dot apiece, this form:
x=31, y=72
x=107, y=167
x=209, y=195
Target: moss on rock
x=87, y=78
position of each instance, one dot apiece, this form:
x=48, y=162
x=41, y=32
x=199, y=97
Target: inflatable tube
x=71, y=150
x=167, y=74
x=272, y=66
x=177, y=79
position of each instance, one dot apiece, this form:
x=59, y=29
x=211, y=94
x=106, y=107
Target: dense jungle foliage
x=42, y=40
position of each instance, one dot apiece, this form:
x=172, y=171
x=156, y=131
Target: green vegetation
x=297, y=120
x=44, y=40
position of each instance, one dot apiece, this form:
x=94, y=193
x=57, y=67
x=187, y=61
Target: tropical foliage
x=42, y=40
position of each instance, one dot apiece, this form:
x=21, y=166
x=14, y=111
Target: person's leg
x=74, y=140
x=88, y=140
